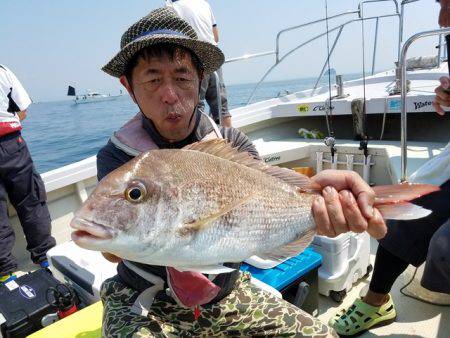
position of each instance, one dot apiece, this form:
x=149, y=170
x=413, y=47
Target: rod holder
x=350, y=160
x=319, y=161
x=340, y=86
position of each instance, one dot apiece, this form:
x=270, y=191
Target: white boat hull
x=81, y=100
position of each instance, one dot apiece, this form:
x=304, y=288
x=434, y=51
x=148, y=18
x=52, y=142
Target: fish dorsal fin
x=291, y=249
x=223, y=149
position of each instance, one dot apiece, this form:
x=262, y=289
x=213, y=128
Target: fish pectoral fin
x=402, y=211
x=291, y=249
x=202, y=223
x=398, y=193
x=206, y=269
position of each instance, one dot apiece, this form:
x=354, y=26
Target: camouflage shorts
x=246, y=312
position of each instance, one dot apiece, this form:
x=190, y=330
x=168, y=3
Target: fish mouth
x=89, y=231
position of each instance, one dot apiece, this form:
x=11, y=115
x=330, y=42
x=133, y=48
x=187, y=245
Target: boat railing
x=403, y=84
x=398, y=12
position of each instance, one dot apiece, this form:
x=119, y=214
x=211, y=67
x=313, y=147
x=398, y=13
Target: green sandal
x=360, y=317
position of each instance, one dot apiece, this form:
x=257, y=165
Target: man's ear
x=124, y=81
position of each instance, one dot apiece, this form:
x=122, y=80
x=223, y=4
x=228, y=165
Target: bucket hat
x=163, y=25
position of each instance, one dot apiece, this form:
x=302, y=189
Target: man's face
x=167, y=93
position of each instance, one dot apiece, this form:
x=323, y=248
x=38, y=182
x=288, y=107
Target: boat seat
x=418, y=154
x=86, y=323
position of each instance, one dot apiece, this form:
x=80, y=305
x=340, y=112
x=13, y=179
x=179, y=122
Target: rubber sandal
x=360, y=317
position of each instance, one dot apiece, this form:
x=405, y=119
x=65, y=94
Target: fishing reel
x=363, y=146
x=330, y=142
x=63, y=298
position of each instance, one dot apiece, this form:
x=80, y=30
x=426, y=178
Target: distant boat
x=90, y=97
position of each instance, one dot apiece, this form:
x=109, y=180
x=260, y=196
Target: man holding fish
x=181, y=203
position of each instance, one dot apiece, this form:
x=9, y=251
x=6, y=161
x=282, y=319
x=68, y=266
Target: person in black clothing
x=19, y=181
x=161, y=65
x=407, y=242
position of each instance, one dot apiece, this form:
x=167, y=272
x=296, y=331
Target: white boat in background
x=90, y=96
x=375, y=142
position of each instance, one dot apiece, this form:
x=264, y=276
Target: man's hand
x=22, y=115
x=112, y=258
x=346, y=205
x=442, y=96
x=444, y=14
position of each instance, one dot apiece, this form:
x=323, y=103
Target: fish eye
x=136, y=192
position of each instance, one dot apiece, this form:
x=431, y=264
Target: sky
x=50, y=44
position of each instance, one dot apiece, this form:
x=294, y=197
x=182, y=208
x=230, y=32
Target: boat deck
x=414, y=318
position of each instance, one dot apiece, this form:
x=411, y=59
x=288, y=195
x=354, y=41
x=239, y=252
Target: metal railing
x=400, y=29
x=398, y=12
x=403, y=81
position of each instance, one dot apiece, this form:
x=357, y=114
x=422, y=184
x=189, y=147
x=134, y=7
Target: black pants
x=20, y=181
x=414, y=242
x=208, y=92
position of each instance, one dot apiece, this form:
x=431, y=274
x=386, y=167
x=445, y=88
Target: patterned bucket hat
x=163, y=25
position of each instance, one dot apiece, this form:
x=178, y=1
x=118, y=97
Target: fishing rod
x=330, y=141
x=364, y=137
x=447, y=42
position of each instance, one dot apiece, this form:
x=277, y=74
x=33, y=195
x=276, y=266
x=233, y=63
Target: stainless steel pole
x=375, y=47
x=404, y=126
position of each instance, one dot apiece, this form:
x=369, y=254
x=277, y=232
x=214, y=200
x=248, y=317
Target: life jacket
x=133, y=139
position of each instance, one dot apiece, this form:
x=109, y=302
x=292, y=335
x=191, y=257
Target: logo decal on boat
x=321, y=108
x=27, y=291
x=272, y=159
x=423, y=104
x=394, y=106
x=303, y=108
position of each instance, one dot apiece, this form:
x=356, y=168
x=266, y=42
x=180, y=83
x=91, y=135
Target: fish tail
x=394, y=201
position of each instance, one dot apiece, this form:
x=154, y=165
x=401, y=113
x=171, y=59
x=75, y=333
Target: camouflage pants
x=246, y=312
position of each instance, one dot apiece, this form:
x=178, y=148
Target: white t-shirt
x=435, y=171
x=13, y=98
x=199, y=15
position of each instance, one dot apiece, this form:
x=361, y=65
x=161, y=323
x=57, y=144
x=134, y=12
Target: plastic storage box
x=346, y=259
x=296, y=278
x=84, y=270
x=23, y=303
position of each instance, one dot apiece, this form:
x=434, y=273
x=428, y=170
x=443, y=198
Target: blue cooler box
x=296, y=279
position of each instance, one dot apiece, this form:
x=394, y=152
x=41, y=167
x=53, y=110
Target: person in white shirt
x=199, y=15
x=19, y=181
